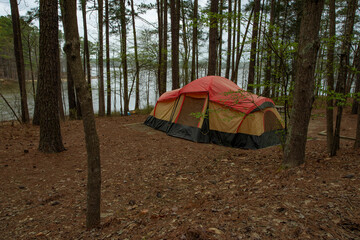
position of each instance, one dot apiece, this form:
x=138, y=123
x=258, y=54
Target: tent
x=213, y=109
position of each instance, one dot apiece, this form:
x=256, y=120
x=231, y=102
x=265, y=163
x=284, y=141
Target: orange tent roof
x=221, y=91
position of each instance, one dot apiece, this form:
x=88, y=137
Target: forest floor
x=159, y=187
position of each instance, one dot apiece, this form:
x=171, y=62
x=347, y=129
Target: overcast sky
x=26, y=5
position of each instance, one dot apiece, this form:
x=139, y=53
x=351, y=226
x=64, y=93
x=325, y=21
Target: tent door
x=191, y=111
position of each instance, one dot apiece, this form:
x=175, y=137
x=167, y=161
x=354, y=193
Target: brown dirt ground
x=158, y=187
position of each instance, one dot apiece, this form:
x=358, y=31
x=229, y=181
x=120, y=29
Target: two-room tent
x=213, y=109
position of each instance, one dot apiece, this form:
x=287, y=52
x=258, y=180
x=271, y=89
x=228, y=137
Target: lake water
x=10, y=90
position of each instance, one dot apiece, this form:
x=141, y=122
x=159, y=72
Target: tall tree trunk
x=354, y=109
x=18, y=50
x=269, y=51
x=357, y=139
x=233, y=55
x=343, y=70
x=239, y=53
x=101, y=59
x=194, y=41
x=164, y=49
x=213, y=34
x=123, y=55
x=221, y=27
x=31, y=65
x=254, y=38
x=86, y=43
x=137, y=87
x=186, y=45
x=330, y=78
x=175, y=28
x=228, y=55
x=72, y=49
x=49, y=74
x=294, y=152
x=71, y=93
x=108, y=78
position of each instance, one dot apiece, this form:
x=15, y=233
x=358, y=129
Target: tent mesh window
x=190, y=108
x=271, y=122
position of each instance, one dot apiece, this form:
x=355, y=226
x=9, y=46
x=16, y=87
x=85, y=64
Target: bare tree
x=330, y=78
x=18, y=50
x=175, y=28
x=194, y=42
x=213, y=35
x=294, y=152
x=108, y=78
x=72, y=49
x=343, y=70
x=251, y=77
x=49, y=77
x=101, y=59
x=137, y=87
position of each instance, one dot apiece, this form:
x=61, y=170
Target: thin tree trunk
x=238, y=21
x=330, y=78
x=123, y=55
x=71, y=93
x=354, y=109
x=101, y=60
x=238, y=55
x=86, y=44
x=137, y=87
x=72, y=49
x=213, y=34
x=294, y=152
x=343, y=71
x=175, y=28
x=31, y=67
x=18, y=50
x=218, y=72
x=164, y=49
x=194, y=42
x=253, y=50
x=108, y=77
x=268, y=82
x=186, y=48
x=233, y=55
x=228, y=55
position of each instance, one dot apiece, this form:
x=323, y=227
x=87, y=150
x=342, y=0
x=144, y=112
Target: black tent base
x=204, y=135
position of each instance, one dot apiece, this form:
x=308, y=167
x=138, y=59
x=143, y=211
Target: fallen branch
x=323, y=133
x=7, y=103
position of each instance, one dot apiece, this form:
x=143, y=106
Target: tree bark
x=228, y=55
x=343, y=71
x=101, y=60
x=251, y=77
x=49, y=77
x=213, y=34
x=86, y=43
x=330, y=78
x=123, y=55
x=108, y=78
x=354, y=109
x=18, y=51
x=219, y=62
x=186, y=45
x=294, y=152
x=194, y=41
x=137, y=87
x=269, y=51
x=72, y=49
x=71, y=93
x=175, y=28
